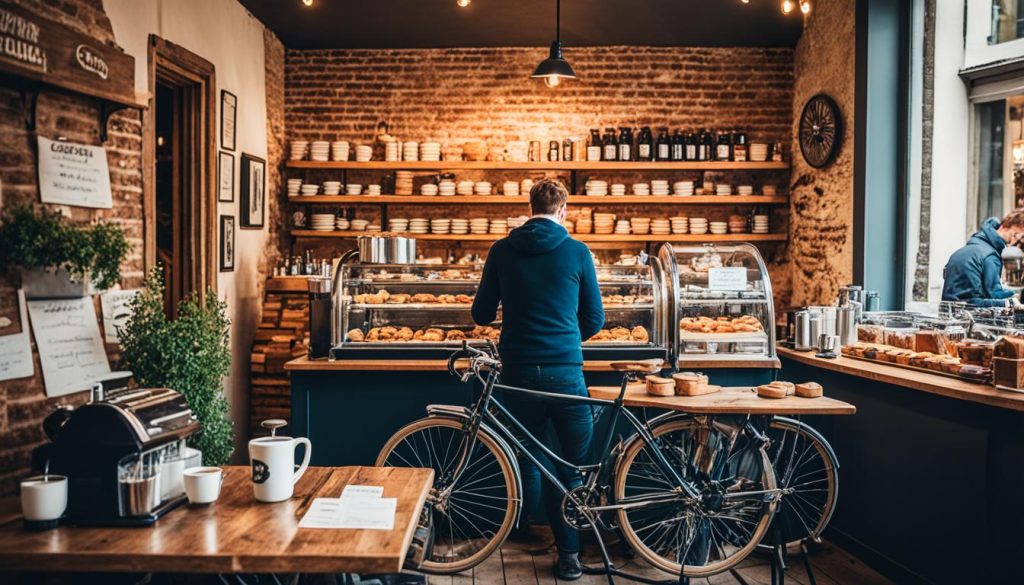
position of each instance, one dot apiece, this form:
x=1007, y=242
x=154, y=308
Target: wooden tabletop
x=236, y=534
x=912, y=379
x=304, y=364
x=730, y=400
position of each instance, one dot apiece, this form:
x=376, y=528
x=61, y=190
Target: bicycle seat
x=651, y=366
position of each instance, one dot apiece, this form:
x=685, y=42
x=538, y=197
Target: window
x=998, y=165
x=1007, y=21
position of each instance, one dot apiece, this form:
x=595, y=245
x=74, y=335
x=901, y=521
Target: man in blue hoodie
x=550, y=302
x=973, y=272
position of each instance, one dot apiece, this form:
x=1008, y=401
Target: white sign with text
x=71, y=350
x=727, y=278
x=116, y=312
x=16, y=349
x=73, y=174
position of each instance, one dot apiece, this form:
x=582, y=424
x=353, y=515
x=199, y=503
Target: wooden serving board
x=730, y=400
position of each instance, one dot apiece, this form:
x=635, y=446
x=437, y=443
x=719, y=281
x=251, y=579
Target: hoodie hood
x=987, y=235
x=537, y=236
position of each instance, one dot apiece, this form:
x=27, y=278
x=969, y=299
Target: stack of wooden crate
x=282, y=335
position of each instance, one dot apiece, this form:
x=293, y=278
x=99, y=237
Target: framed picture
x=227, y=243
x=228, y=117
x=254, y=191
x=226, y=177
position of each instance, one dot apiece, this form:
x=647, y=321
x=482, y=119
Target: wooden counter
x=742, y=400
x=912, y=379
x=305, y=364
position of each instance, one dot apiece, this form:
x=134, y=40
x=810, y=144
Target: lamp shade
x=555, y=65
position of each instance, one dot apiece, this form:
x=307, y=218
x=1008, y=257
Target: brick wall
x=277, y=235
x=23, y=403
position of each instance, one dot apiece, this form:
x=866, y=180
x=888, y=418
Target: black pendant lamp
x=555, y=68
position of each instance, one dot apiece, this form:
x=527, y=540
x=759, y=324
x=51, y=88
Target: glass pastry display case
x=423, y=311
x=720, y=303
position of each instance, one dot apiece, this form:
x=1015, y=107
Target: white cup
x=273, y=466
x=202, y=484
x=44, y=498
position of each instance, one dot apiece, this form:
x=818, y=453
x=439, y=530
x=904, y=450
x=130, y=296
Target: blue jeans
x=573, y=425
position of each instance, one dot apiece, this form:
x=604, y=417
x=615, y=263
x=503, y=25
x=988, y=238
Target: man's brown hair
x=546, y=196
x=1013, y=219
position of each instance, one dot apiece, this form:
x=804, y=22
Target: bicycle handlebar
x=478, y=359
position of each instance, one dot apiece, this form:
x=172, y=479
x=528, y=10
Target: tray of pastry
x=720, y=328
x=400, y=342
x=921, y=361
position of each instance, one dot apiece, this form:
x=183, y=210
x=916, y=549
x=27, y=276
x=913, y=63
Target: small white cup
x=44, y=498
x=202, y=484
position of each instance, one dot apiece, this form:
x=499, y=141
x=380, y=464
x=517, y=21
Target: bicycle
x=693, y=495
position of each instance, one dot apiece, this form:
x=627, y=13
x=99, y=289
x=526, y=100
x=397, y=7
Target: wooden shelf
x=542, y=166
x=523, y=199
x=614, y=238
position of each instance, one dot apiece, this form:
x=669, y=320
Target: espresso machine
x=123, y=454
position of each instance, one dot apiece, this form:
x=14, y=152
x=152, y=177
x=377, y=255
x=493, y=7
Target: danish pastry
x=639, y=333
x=355, y=335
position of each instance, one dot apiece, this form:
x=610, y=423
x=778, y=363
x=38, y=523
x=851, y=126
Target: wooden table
x=236, y=534
x=730, y=400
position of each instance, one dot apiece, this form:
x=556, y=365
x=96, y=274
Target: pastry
x=789, y=387
x=433, y=334
x=446, y=299
x=374, y=334
x=355, y=335
x=620, y=334
x=404, y=334
x=639, y=333
x=690, y=383
x=388, y=333
x=771, y=391
x=455, y=335
x=463, y=299
x=398, y=299
x=809, y=390
x=424, y=298
x=658, y=386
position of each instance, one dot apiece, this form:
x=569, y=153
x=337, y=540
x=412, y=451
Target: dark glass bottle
x=678, y=146
x=611, y=147
x=705, y=145
x=594, y=148
x=723, y=147
x=690, y=149
x=663, y=148
x=625, y=143
x=645, y=145
x=740, y=148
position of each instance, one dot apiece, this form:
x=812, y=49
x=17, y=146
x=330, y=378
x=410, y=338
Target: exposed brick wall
x=820, y=251
x=277, y=236
x=23, y=403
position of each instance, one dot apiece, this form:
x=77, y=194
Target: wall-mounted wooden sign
x=45, y=51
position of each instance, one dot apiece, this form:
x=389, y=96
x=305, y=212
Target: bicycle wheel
x=807, y=469
x=472, y=513
x=709, y=535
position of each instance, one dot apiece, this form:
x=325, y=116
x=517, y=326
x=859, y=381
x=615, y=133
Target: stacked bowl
x=308, y=189
x=622, y=227
x=641, y=189
x=464, y=187
x=430, y=151
x=332, y=187
x=758, y=151
x=597, y=188
x=659, y=187
x=618, y=189
x=769, y=190
x=682, y=188
x=698, y=226
x=499, y=226
x=482, y=188
x=760, y=224
x=460, y=226
x=373, y=189
x=392, y=152
x=745, y=190
x=419, y=225
x=298, y=149
x=640, y=226
x=410, y=151
x=428, y=189
x=737, y=224
x=322, y=222
x=479, y=225
x=339, y=150
x=398, y=224
x=604, y=223
x=680, y=224
x=353, y=189
x=403, y=183
x=359, y=225
x=341, y=223
x=584, y=225
x=293, y=187
x=440, y=225
x=364, y=153
x=719, y=227
x=723, y=189
x=320, y=151
x=510, y=188
x=660, y=227
x=446, y=188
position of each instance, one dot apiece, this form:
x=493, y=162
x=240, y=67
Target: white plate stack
x=499, y=226
x=410, y=151
x=419, y=225
x=745, y=190
x=510, y=188
x=698, y=226
x=760, y=224
x=737, y=224
x=320, y=151
x=723, y=189
x=332, y=187
x=518, y=150
x=430, y=151
x=719, y=227
x=597, y=188
x=373, y=189
x=525, y=185
x=446, y=188
x=359, y=225
x=440, y=226
x=604, y=223
x=479, y=225
x=298, y=149
x=398, y=224
x=353, y=189
x=640, y=226
x=428, y=189
x=517, y=221
x=372, y=227
x=293, y=187
x=758, y=151
x=339, y=150
x=403, y=183
x=460, y=226
x=482, y=188
x=660, y=227
x=322, y=222
x=392, y=152
x=769, y=190
x=682, y=188
x=308, y=189
x=341, y=223
x=680, y=224
x=464, y=188
x=641, y=189
x=659, y=187
x=618, y=189
x=364, y=153
x=622, y=227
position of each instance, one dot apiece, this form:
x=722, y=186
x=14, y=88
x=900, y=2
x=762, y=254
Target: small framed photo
x=254, y=191
x=226, y=177
x=227, y=243
x=228, y=117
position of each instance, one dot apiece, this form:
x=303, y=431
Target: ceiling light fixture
x=788, y=6
x=462, y=3
x=555, y=68
x=307, y=2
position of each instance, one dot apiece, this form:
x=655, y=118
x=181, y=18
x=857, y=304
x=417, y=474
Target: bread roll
x=658, y=386
x=809, y=390
x=771, y=391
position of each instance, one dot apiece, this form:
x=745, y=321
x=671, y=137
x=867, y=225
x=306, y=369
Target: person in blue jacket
x=973, y=272
x=550, y=302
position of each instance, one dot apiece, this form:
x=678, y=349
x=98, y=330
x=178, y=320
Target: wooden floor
x=517, y=565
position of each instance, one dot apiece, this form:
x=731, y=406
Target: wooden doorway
x=179, y=180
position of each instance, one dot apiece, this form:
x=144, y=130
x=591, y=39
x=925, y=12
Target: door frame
x=180, y=66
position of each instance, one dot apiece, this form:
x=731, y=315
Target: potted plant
x=58, y=259
x=189, y=354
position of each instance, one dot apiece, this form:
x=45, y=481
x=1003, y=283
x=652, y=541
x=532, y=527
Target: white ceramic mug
x=202, y=484
x=273, y=466
x=44, y=498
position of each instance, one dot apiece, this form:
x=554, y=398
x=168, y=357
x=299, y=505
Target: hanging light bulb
x=551, y=80
x=555, y=67
x=805, y=6
x=788, y=6
x=462, y=3
x=307, y=2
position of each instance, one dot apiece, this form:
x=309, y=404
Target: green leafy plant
x=47, y=240
x=189, y=354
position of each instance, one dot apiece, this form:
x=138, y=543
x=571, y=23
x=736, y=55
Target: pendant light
x=555, y=68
